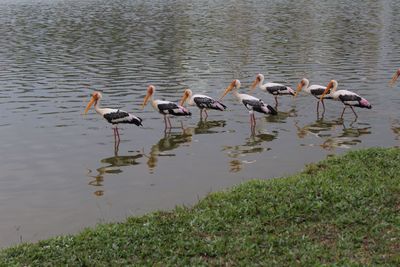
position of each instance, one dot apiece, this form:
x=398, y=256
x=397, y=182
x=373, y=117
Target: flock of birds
x=251, y=103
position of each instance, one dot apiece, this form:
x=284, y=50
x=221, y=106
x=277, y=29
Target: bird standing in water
x=113, y=116
x=275, y=89
x=348, y=98
x=315, y=90
x=203, y=102
x=250, y=102
x=166, y=108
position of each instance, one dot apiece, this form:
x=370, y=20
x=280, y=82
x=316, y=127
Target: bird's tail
x=138, y=122
x=271, y=110
x=290, y=91
x=180, y=111
x=218, y=105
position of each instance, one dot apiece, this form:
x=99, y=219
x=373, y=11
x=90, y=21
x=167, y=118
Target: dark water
x=60, y=170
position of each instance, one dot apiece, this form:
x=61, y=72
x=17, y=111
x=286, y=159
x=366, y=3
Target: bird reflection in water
x=335, y=133
x=205, y=127
x=252, y=145
x=172, y=140
x=113, y=166
x=282, y=116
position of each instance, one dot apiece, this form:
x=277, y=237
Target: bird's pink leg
x=318, y=106
x=169, y=122
x=323, y=105
x=276, y=101
x=343, y=111
x=116, y=147
x=201, y=114
x=353, y=111
x=205, y=111
x=165, y=121
x=116, y=128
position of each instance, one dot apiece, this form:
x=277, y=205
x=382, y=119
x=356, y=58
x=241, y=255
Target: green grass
x=342, y=211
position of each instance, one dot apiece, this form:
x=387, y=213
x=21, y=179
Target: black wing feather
x=275, y=90
x=167, y=106
x=345, y=98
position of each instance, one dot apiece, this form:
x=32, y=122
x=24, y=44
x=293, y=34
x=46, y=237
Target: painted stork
x=250, y=102
x=203, y=102
x=315, y=90
x=113, y=116
x=275, y=89
x=394, y=78
x=164, y=107
x=348, y=98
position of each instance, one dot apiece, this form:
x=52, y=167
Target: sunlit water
x=61, y=171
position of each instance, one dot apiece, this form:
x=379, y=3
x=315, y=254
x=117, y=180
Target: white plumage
x=113, y=116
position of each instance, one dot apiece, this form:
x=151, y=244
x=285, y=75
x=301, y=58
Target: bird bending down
x=165, y=108
x=315, y=90
x=275, y=89
x=394, y=78
x=203, y=102
x=113, y=116
x=250, y=102
x=348, y=98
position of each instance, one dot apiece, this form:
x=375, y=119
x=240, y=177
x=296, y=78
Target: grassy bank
x=343, y=210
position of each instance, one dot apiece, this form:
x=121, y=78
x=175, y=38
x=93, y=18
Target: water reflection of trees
x=335, y=133
x=252, y=145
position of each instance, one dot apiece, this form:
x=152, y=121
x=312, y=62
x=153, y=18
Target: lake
x=61, y=171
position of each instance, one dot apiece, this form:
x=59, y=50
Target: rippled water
x=61, y=171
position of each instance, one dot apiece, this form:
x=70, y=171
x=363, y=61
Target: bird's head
x=394, y=78
x=332, y=85
x=150, y=91
x=259, y=78
x=303, y=83
x=94, y=98
x=186, y=94
x=235, y=84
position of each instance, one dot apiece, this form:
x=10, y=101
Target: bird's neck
x=97, y=107
x=261, y=84
x=153, y=103
x=306, y=84
x=236, y=94
x=191, y=100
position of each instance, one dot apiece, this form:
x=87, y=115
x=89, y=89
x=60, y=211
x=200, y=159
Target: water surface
x=61, y=171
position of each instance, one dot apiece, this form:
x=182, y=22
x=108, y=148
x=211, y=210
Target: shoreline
x=341, y=210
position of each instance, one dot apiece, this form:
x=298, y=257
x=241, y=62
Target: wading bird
x=164, y=107
x=250, y=102
x=394, y=78
x=275, y=89
x=315, y=90
x=203, y=102
x=348, y=98
x=113, y=116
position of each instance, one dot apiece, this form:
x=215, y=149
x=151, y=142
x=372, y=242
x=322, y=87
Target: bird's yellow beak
x=329, y=87
x=394, y=78
x=184, y=98
x=254, y=84
x=228, y=89
x=145, y=100
x=298, y=89
x=91, y=102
